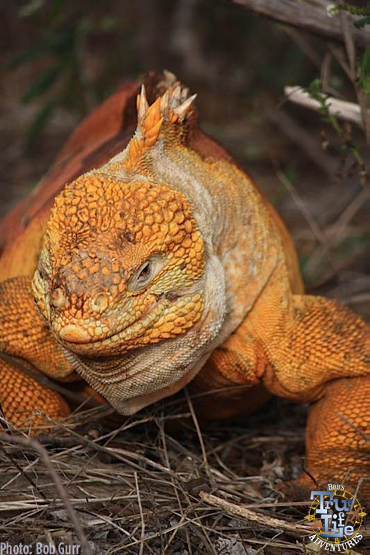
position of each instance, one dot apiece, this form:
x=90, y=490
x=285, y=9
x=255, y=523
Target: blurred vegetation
x=67, y=29
x=358, y=71
x=82, y=50
x=347, y=149
x=362, y=12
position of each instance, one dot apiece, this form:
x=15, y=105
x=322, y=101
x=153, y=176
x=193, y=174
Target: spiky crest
x=170, y=109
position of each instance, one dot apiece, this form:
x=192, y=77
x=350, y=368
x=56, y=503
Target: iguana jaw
x=147, y=329
x=75, y=338
x=139, y=377
x=159, y=316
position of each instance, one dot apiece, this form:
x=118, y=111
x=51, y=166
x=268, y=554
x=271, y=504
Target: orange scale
x=179, y=217
x=188, y=226
x=71, y=210
x=173, y=228
x=162, y=202
x=157, y=216
x=187, y=242
x=87, y=263
x=168, y=216
x=178, y=239
x=147, y=232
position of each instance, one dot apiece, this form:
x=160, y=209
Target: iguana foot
x=338, y=441
x=25, y=402
x=299, y=489
x=24, y=336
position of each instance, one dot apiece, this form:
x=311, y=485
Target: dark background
x=60, y=58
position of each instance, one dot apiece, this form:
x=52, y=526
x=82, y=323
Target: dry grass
x=150, y=486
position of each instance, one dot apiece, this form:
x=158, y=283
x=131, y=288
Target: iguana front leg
x=319, y=351
x=307, y=349
x=25, y=336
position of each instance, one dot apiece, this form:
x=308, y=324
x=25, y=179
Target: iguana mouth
x=77, y=339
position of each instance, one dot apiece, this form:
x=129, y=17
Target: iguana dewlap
x=160, y=262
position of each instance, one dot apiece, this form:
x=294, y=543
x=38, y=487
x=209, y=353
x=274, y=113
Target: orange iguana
x=160, y=263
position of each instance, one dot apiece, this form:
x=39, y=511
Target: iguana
x=154, y=261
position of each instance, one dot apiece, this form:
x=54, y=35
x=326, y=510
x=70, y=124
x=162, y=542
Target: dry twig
x=310, y=15
x=342, y=109
x=264, y=520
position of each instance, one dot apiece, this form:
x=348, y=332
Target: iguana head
x=122, y=278
x=121, y=266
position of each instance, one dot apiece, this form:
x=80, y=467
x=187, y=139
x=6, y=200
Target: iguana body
x=166, y=265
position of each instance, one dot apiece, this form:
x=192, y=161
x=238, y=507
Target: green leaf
x=85, y=25
x=27, y=56
x=353, y=10
x=109, y=23
x=60, y=41
x=365, y=71
x=361, y=23
x=40, y=122
x=315, y=87
x=349, y=8
x=42, y=83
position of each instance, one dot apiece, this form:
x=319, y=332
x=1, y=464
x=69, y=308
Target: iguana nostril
x=58, y=298
x=99, y=303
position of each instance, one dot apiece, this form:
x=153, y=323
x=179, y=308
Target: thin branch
x=342, y=109
x=349, y=44
x=315, y=228
x=142, y=536
x=262, y=519
x=310, y=15
x=198, y=430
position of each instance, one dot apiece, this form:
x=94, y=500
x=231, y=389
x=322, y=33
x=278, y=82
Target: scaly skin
x=166, y=265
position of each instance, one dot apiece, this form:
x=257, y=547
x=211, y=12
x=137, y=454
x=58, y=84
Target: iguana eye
x=42, y=272
x=146, y=273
